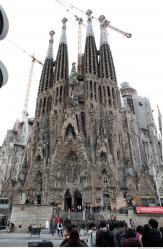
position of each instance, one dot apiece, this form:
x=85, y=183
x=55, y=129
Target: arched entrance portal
x=68, y=201
x=77, y=200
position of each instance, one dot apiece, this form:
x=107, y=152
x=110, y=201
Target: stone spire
x=90, y=54
x=61, y=64
x=107, y=69
x=46, y=81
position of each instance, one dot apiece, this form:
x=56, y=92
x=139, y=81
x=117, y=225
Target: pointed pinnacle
x=51, y=33
x=64, y=20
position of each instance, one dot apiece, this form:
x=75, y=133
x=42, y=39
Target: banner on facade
x=149, y=210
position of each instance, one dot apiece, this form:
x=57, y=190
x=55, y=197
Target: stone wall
x=22, y=216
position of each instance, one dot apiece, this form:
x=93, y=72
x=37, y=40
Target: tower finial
x=51, y=33
x=89, y=25
x=63, y=36
x=50, y=48
x=103, y=25
x=101, y=19
x=64, y=20
x=88, y=13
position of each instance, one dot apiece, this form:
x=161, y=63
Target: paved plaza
x=17, y=239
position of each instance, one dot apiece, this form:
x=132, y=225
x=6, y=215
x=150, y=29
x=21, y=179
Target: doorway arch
x=77, y=200
x=68, y=201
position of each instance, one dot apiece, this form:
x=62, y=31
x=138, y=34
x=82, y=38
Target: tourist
x=52, y=227
x=91, y=240
x=82, y=232
x=120, y=235
x=154, y=234
x=67, y=236
x=130, y=239
x=145, y=237
x=29, y=228
x=12, y=227
x=104, y=237
x=139, y=233
x=161, y=230
x=60, y=229
x=74, y=240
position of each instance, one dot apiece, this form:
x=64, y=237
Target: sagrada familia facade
x=84, y=147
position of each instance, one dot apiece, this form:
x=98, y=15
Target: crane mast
x=28, y=89
x=27, y=95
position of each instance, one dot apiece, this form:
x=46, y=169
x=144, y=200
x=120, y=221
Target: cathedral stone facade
x=79, y=151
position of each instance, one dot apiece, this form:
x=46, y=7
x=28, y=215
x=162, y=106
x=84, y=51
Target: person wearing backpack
x=120, y=236
x=104, y=237
x=91, y=240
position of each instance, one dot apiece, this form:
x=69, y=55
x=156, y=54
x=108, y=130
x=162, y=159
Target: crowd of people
x=114, y=233
x=95, y=209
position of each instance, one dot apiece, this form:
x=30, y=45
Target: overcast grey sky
x=137, y=60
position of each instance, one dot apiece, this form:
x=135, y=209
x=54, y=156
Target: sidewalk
x=24, y=235
x=17, y=239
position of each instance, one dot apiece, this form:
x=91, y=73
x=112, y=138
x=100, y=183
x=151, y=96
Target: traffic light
x=4, y=26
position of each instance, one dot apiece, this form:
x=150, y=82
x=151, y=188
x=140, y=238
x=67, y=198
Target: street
x=18, y=239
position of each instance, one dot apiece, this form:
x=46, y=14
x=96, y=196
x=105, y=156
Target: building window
x=146, y=201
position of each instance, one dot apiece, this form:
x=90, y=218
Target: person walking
x=120, y=236
x=104, y=237
x=60, y=229
x=145, y=237
x=52, y=227
x=91, y=240
x=130, y=239
x=154, y=234
x=73, y=240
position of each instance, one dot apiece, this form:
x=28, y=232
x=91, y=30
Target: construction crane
x=25, y=128
x=28, y=89
x=67, y=7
